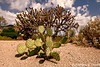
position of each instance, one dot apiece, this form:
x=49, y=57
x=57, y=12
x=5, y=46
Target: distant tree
x=57, y=18
x=2, y=21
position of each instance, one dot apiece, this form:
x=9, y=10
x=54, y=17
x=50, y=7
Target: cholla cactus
x=91, y=34
x=57, y=18
x=40, y=46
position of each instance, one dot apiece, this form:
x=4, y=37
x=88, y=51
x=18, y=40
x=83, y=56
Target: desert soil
x=70, y=56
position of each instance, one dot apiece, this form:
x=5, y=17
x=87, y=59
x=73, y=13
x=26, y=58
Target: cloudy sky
x=82, y=9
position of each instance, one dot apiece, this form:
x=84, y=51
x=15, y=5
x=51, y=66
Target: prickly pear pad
x=30, y=43
x=55, y=55
x=41, y=29
x=21, y=48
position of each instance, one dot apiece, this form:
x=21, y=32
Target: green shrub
x=9, y=32
x=5, y=38
x=10, y=29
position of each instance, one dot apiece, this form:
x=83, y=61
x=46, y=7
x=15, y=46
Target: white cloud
x=18, y=4
x=54, y=3
x=10, y=17
x=73, y=11
x=82, y=19
x=37, y=5
x=84, y=9
x=97, y=0
x=63, y=3
x=22, y=4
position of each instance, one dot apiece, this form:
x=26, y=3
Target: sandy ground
x=70, y=56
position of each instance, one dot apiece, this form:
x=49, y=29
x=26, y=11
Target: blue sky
x=93, y=8
x=82, y=9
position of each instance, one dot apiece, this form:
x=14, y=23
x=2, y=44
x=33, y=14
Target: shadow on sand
x=41, y=61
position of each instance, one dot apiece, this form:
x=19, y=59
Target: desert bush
x=57, y=18
x=90, y=34
x=5, y=38
x=42, y=46
x=9, y=32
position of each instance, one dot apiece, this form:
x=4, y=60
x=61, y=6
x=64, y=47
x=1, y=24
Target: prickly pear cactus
x=49, y=32
x=42, y=46
x=40, y=52
x=30, y=43
x=55, y=55
x=38, y=42
x=41, y=29
x=30, y=52
x=49, y=43
x=56, y=45
x=35, y=36
x=21, y=48
x=48, y=51
x=49, y=38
